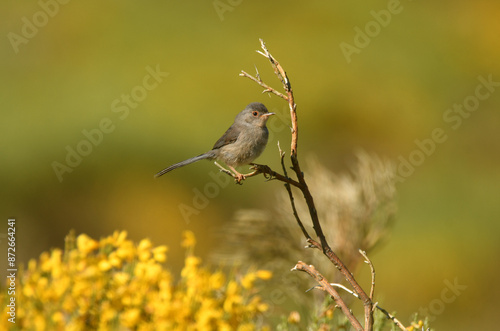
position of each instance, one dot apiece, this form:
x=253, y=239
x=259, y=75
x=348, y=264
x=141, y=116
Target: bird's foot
x=237, y=176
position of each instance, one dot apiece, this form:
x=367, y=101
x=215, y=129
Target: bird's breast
x=249, y=145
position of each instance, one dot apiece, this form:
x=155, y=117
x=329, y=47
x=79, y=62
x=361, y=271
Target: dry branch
x=372, y=269
x=325, y=286
x=375, y=305
x=301, y=184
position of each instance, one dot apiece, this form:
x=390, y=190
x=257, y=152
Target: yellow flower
x=32, y=265
x=233, y=297
x=68, y=303
x=256, y=305
x=416, y=326
x=126, y=251
x=61, y=286
x=28, y=290
x=114, y=284
x=86, y=244
x=140, y=270
x=120, y=278
x=91, y=271
x=329, y=312
x=294, y=317
x=262, y=307
x=144, y=250
x=114, y=260
x=189, y=240
x=39, y=322
x=120, y=237
x=224, y=326
x=130, y=317
x=190, y=266
x=58, y=317
x=216, y=280
x=152, y=272
x=144, y=244
x=248, y=280
x=208, y=316
x=246, y=327
x=107, y=313
x=45, y=262
x=55, y=263
x=104, y=265
x=264, y=274
x=159, y=253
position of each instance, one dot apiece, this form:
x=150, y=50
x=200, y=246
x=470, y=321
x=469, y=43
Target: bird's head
x=254, y=114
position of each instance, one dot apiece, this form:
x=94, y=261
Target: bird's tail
x=208, y=155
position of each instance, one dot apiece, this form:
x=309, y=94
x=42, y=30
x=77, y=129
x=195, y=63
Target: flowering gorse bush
x=114, y=284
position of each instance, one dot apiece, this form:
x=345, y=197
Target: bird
x=243, y=142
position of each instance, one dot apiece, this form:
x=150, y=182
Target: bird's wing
x=229, y=137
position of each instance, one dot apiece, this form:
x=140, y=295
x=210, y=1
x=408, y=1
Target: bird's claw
x=238, y=178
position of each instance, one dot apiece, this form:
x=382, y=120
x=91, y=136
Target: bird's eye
x=255, y=113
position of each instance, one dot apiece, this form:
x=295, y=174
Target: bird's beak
x=267, y=114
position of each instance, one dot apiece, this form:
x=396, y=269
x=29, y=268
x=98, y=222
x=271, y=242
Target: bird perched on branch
x=242, y=143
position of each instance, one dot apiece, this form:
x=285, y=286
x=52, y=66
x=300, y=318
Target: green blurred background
x=62, y=77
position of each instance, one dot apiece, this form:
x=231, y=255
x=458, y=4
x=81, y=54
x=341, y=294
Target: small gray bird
x=242, y=143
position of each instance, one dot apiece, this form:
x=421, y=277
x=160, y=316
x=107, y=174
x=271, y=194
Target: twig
x=372, y=290
x=264, y=169
x=367, y=303
x=391, y=317
x=267, y=88
x=375, y=305
x=259, y=169
x=224, y=170
x=324, y=285
x=290, y=195
x=230, y=173
x=278, y=69
x=372, y=268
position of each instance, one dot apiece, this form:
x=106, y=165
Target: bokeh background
x=65, y=72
